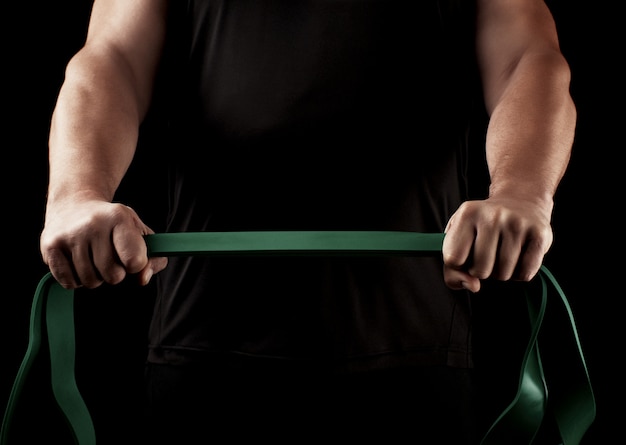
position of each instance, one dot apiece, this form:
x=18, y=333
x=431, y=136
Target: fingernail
x=465, y=286
x=148, y=276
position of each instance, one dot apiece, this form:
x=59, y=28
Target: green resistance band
x=571, y=401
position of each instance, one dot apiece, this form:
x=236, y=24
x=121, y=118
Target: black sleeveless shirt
x=315, y=115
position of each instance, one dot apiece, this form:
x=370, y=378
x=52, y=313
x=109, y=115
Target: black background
x=586, y=257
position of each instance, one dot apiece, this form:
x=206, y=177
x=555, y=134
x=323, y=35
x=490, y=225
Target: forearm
x=526, y=83
x=94, y=129
x=105, y=95
x=531, y=130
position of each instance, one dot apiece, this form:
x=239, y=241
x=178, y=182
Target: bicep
x=130, y=36
x=508, y=33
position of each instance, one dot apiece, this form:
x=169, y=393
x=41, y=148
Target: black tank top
x=315, y=115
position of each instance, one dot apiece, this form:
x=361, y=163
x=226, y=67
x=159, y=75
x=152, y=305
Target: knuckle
x=480, y=273
x=113, y=275
x=453, y=260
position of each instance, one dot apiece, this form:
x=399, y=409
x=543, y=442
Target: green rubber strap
x=32, y=351
x=572, y=402
x=52, y=313
x=308, y=243
x=61, y=341
x=521, y=419
x=574, y=408
x=572, y=399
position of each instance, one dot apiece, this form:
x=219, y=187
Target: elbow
x=105, y=80
x=543, y=74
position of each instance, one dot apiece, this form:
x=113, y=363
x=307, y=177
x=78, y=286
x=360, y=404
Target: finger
x=531, y=260
x=158, y=264
x=457, y=279
x=484, y=254
x=61, y=268
x=457, y=244
x=82, y=259
x=155, y=265
x=129, y=243
x=508, y=256
x=106, y=260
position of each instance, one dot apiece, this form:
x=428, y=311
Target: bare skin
x=529, y=139
x=88, y=240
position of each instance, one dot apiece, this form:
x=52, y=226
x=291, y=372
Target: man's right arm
x=105, y=95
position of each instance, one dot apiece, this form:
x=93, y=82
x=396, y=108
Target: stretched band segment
x=294, y=243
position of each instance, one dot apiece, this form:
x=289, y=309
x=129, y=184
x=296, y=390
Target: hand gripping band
x=571, y=400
